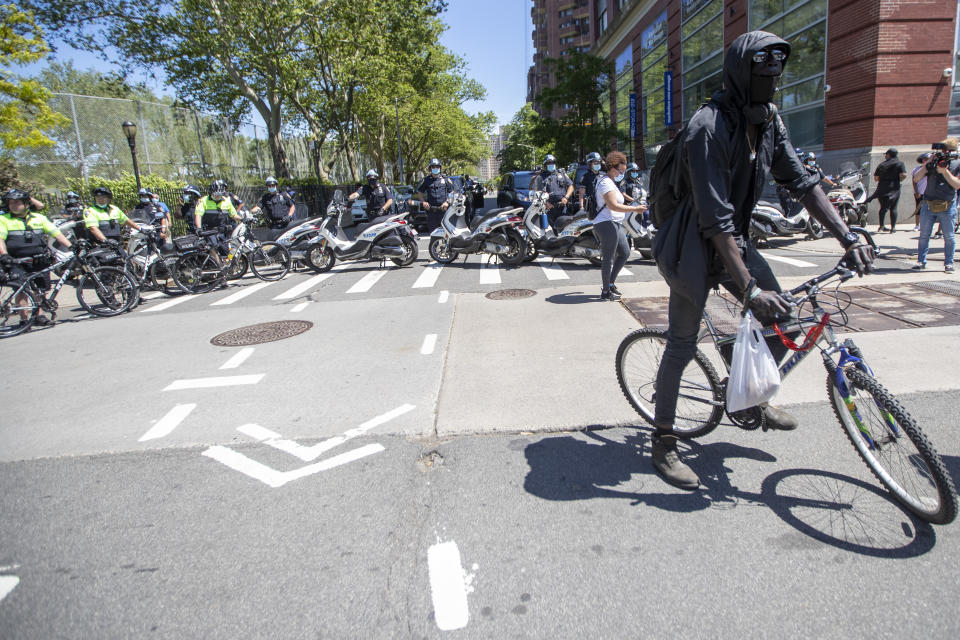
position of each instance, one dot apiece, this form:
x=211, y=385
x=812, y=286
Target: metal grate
x=260, y=333
x=949, y=287
x=510, y=294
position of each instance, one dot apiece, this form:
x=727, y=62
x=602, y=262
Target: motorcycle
x=575, y=239
x=393, y=239
x=850, y=198
x=641, y=234
x=769, y=221
x=297, y=239
x=494, y=233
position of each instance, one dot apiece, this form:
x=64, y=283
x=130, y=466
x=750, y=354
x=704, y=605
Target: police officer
x=633, y=190
x=103, y=220
x=377, y=196
x=589, y=179
x=559, y=187
x=216, y=211
x=276, y=205
x=22, y=235
x=149, y=212
x=188, y=206
x=813, y=167
x=433, y=191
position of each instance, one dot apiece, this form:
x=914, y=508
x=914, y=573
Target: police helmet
x=810, y=157
x=144, y=193
x=192, y=190
x=16, y=194
x=434, y=163
x=633, y=167
x=593, y=156
x=270, y=180
x=372, y=174
x=71, y=198
x=218, y=188
x=102, y=191
x=550, y=158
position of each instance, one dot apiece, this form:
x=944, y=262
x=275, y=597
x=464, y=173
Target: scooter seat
x=772, y=205
x=478, y=220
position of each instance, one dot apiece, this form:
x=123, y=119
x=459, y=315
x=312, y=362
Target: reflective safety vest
x=215, y=214
x=24, y=237
x=109, y=220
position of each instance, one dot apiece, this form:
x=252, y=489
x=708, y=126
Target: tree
x=581, y=81
x=523, y=149
x=25, y=115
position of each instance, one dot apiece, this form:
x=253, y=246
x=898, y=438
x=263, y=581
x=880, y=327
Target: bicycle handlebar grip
x=866, y=234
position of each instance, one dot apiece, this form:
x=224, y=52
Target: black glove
x=110, y=242
x=6, y=261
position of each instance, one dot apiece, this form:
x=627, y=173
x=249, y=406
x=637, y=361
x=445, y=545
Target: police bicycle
x=885, y=435
x=148, y=264
x=101, y=290
x=203, y=268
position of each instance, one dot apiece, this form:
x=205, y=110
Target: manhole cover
x=941, y=286
x=260, y=333
x=510, y=294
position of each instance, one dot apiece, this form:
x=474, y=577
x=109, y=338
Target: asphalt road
x=425, y=462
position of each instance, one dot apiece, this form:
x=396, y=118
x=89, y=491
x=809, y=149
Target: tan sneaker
x=667, y=462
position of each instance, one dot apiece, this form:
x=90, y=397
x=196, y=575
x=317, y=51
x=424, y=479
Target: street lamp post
x=130, y=130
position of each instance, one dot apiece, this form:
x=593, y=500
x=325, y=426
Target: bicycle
x=204, y=269
x=884, y=434
x=149, y=265
x=20, y=300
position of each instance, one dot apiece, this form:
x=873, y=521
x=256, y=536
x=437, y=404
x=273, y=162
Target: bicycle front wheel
x=18, y=310
x=700, y=401
x=270, y=261
x=197, y=272
x=107, y=291
x=894, y=447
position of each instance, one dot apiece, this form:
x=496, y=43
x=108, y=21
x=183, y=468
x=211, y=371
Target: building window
x=701, y=44
x=653, y=62
x=602, y=22
x=623, y=87
x=802, y=23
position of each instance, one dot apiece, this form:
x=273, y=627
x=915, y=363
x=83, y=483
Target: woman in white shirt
x=608, y=225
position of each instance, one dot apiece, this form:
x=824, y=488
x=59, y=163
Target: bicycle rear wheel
x=197, y=272
x=107, y=291
x=270, y=261
x=161, y=277
x=894, y=447
x=12, y=304
x=700, y=404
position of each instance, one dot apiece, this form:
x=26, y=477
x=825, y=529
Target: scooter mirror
x=338, y=196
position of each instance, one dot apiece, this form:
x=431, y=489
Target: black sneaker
x=667, y=462
x=609, y=295
x=614, y=289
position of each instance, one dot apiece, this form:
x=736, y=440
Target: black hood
x=737, y=64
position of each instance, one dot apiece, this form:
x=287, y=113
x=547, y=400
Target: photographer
x=939, y=201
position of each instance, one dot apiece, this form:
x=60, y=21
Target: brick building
x=864, y=75
x=559, y=27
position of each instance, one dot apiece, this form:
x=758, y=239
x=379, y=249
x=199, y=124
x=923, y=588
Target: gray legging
x=614, y=248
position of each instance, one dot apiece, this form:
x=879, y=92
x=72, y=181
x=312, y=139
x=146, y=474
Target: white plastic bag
x=754, y=376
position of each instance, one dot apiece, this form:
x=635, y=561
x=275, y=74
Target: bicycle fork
x=848, y=360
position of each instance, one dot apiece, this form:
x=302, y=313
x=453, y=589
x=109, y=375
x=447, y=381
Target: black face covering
x=372, y=182
x=763, y=88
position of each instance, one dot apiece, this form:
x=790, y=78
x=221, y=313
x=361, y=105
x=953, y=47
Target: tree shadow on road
x=832, y=508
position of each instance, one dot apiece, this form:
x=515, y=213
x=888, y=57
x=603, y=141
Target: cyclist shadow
x=574, y=297
x=829, y=507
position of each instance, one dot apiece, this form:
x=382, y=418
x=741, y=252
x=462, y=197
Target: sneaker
x=937, y=236
x=916, y=228
x=42, y=321
x=667, y=462
x=918, y=266
x=614, y=289
x=948, y=268
x=779, y=419
x=609, y=295
x=882, y=229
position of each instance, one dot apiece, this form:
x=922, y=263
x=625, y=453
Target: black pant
x=889, y=203
x=684, y=327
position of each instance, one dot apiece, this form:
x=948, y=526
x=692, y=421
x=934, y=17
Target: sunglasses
x=776, y=54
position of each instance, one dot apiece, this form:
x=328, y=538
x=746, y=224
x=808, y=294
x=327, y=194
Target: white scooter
x=493, y=233
x=575, y=239
x=769, y=221
x=850, y=198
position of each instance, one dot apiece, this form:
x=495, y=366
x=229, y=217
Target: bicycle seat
x=209, y=232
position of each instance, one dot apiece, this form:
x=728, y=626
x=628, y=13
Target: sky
x=492, y=36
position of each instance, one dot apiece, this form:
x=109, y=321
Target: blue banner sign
x=633, y=116
x=668, y=98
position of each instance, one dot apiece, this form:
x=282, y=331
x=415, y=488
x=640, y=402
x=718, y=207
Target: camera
x=942, y=156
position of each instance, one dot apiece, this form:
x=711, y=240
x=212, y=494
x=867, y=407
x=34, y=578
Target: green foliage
x=523, y=149
x=63, y=77
x=25, y=115
x=124, y=188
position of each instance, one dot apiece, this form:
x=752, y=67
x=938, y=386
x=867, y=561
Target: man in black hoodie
x=729, y=146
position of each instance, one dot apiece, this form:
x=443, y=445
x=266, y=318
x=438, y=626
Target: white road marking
x=168, y=423
x=207, y=383
x=300, y=307
x=308, y=454
x=448, y=586
x=489, y=273
x=271, y=477
x=238, y=358
x=444, y=295
x=429, y=342
x=307, y=284
x=625, y=272
x=151, y=295
x=7, y=584
x=366, y=282
x=551, y=269
x=790, y=261
x=240, y=295
x=428, y=277
x=172, y=302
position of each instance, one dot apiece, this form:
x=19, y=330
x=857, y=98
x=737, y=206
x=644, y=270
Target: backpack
x=589, y=182
x=669, y=183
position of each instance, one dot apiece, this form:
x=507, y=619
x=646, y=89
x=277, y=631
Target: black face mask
x=372, y=182
x=763, y=88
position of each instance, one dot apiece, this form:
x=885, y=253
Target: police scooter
x=392, y=239
x=297, y=239
x=575, y=239
x=769, y=221
x=493, y=233
x=850, y=198
x=639, y=232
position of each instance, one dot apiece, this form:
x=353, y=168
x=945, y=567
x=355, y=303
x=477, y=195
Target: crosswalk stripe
x=625, y=272
x=790, y=261
x=489, y=273
x=366, y=282
x=307, y=284
x=169, y=303
x=240, y=295
x=151, y=295
x=428, y=277
x=551, y=269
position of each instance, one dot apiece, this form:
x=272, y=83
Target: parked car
x=515, y=189
x=401, y=193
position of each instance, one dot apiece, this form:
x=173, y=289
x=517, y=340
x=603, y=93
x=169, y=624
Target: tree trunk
x=281, y=166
